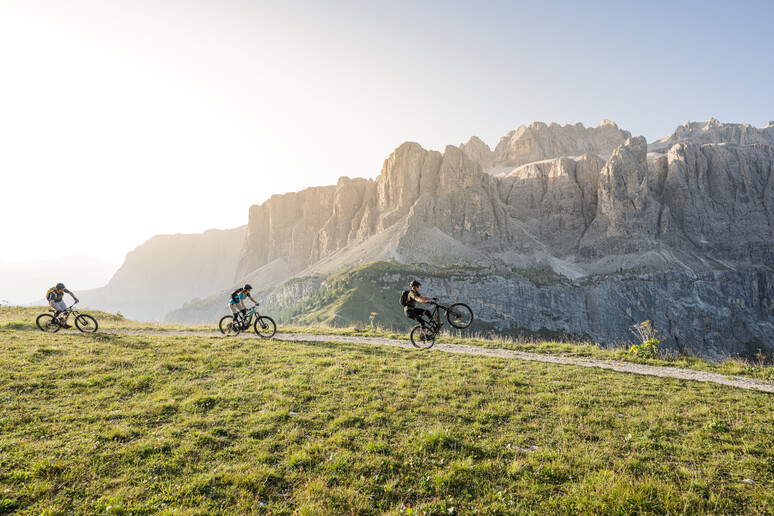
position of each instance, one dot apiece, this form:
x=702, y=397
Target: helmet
x=60, y=285
x=248, y=287
x=415, y=283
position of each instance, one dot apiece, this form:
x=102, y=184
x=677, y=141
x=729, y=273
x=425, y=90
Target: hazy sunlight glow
x=124, y=119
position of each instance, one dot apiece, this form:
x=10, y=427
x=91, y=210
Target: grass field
x=166, y=424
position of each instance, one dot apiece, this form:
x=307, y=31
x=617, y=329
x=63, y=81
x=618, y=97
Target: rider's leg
x=234, y=312
x=417, y=313
x=61, y=308
x=411, y=313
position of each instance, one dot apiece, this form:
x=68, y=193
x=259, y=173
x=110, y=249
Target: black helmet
x=415, y=283
x=248, y=287
x=60, y=285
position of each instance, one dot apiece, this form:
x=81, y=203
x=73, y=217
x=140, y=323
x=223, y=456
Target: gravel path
x=625, y=367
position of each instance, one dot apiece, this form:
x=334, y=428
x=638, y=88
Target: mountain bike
x=459, y=316
x=263, y=325
x=54, y=323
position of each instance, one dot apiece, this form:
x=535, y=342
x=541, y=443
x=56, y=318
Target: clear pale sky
x=122, y=119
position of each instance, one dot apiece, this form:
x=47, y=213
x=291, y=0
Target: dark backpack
x=404, y=298
x=235, y=293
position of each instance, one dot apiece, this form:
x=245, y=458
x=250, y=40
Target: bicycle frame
x=252, y=311
x=435, y=315
x=69, y=310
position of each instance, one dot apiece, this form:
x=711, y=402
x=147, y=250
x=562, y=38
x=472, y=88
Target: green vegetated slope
x=149, y=424
x=365, y=295
x=350, y=297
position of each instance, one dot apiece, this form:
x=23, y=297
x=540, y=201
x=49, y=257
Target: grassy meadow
x=181, y=425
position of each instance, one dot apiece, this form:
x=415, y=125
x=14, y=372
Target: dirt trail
x=625, y=367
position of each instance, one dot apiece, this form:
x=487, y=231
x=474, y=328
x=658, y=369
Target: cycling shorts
x=414, y=313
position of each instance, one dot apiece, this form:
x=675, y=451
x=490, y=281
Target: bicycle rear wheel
x=86, y=323
x=265, y=327
x=459, y=315
x=47, y=322
x=227, y=326
x=422, y=339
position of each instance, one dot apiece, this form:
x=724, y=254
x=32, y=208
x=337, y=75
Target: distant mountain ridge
x=168, y=270
x=611, y=217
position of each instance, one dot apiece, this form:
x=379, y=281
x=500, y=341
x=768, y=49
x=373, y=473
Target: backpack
x=404, y=298
x=235, y=293
x=48, y=292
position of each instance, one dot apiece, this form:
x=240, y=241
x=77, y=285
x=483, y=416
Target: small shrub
x=648, y=348
x=371, y=320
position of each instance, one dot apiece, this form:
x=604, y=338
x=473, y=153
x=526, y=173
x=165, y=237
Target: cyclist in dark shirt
x=411, y=310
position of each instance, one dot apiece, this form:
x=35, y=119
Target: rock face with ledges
x=720, y=199
x=286, y=226
x=715, y=132
x=627, y=212
x=540, y=141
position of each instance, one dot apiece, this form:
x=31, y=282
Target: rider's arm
x=73, y=296
x=423, y=299
x=251, y=299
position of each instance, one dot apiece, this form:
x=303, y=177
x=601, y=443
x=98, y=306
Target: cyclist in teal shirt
x=237, y=301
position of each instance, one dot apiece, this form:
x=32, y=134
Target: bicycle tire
x=422, y=340
x=227, y=327
x=86, y=323
x=46, y=323
x=459, y=315
x=265, y=327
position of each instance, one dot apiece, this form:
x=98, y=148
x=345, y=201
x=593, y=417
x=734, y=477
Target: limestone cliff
x=584, y=202
x=539, y=141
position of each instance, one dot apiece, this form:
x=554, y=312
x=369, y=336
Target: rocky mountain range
x=560, y=229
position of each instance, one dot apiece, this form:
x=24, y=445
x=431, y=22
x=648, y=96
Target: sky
x=122, y=119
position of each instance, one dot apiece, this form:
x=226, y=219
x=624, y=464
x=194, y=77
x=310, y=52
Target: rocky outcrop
x=285, y=227
x=715, y=132
x=720, y=199
x=479, y=152
x=627, y=213
x=539, y=141
x=556, y=200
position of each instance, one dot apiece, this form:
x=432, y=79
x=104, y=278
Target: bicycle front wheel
x=227, y=326
x=459, y=315
x=86, y=323
x=422, y=339
x=265, y=327
x=46, y=322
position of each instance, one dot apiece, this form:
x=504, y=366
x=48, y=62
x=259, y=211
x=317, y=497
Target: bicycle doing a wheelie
x=264, y=325
x=54, y=323
x=459, y=316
